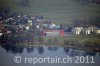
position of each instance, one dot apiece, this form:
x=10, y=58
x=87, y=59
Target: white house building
x=77, y=30
x=88, y=32
x=1, y=34
x=98, y=31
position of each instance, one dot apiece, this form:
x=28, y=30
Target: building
x=98, y=31
x=1, y=34
x=52, y=33
x=93, y=29
x=77, y=30
x=88, y=32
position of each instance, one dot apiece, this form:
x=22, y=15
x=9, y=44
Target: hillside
x=59, y=11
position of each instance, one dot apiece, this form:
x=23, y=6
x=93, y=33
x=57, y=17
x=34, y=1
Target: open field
x=59, y=11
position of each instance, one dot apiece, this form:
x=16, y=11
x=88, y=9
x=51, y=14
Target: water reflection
x=43, y=51
x=13, y=49
x=52, y=48
x=89, y=53
x=72, y=52
x=40, y=50
x=30, y=49
x=75, y=52
x=99, y=54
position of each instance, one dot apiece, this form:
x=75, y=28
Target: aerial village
x=14, y=24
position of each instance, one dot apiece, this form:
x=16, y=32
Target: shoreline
x=81, y=42
x=79, y=47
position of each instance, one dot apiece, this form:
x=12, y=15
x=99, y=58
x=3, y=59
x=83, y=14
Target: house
x=88, y=32
x=30, y=22
x=1, y=34
x=27, y=27
x=52, y=25
x=77, y=30
x=52, y=33
x=93, y=29
x=98, y=31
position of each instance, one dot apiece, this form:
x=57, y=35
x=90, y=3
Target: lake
x=34, y=56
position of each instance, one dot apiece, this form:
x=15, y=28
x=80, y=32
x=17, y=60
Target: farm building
x=52, y=33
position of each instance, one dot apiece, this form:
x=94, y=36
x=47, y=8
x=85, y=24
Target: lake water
x=26, y=54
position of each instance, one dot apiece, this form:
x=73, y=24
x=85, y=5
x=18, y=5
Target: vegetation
x=69, y=12
x=88, y=42
x=59, y=11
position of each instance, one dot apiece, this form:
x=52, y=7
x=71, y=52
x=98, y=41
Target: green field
x=59, y=11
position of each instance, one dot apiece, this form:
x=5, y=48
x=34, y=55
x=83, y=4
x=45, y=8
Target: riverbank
x=84, y=42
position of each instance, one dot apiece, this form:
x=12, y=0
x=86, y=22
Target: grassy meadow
x=59, y=11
